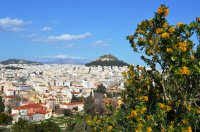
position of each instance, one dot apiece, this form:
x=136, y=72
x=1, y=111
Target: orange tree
x=162, y=98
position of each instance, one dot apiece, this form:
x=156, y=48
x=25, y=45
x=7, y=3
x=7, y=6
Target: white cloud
x=67, y=46
x=17, y=29
x=13, y=24
x=46, y=28
x=64, y=37
x=100, y=43
x=6, y=22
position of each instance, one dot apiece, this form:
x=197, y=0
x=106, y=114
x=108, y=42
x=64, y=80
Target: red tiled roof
x=10, y=97
x=74, y=103
x=75, y=92
x=30, y=114
x=42, y=112
x=28, y=106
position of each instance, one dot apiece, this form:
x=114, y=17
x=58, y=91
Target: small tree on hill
x=89, y=107
x=101, y=89
x=2, y=106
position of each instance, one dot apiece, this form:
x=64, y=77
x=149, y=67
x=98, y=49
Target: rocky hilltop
x=107, y=60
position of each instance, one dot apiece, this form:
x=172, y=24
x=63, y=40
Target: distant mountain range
x=107, y=60
x=19, y=61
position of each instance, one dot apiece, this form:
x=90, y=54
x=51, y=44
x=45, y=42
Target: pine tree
x=89, y=105
x=2, y=106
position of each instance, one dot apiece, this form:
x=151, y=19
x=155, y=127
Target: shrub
x=67, y=112
x=165, y=99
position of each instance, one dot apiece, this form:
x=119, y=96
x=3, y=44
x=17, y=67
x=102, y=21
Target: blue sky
x=77, y=31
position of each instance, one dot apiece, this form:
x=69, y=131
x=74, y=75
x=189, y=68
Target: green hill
x=107, y=60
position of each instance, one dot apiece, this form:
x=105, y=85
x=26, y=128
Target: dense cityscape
x=99, y=66
x=36, y=92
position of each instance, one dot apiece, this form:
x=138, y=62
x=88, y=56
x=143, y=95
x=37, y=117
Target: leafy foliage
x=76, y=99
x=49, y=126
x=165, y=99
x=25, y=126
x=5, y=119
x=21, y=125
x=76, y=124
x=75, y=108
x=67, y=112
x=101, y=89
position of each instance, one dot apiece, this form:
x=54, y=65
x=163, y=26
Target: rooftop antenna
x=107, y=49
x=108, y=54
